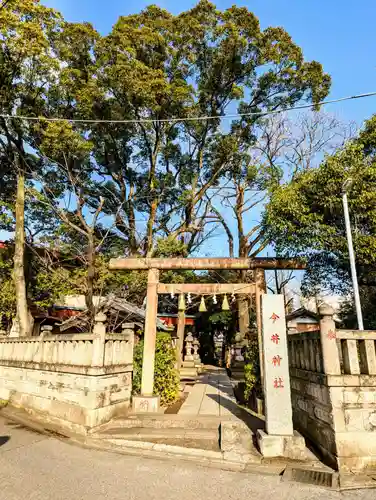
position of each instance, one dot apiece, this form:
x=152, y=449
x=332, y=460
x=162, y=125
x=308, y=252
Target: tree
x=87, y=183
x=145, y=79
x=26, y=68
x=305, y=216
x=280, y=149
x=154, y=67
x=65, y=153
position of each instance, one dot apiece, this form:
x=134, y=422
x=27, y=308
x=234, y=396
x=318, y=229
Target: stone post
x=330, y=354
x=46, y=330
x=180, y=337
x=128, y=332
x=99, y=331
x=279, y=438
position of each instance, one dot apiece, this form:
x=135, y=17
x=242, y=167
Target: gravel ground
x=34, y=466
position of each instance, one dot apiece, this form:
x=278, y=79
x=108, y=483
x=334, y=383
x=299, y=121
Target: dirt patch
x=175, y=407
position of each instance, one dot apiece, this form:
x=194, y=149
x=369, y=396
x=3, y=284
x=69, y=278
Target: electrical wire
x=3, y=5
x=192, y=118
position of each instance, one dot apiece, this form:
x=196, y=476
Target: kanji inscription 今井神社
x=276, y=369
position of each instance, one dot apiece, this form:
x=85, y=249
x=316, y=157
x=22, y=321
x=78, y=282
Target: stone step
x=205, y=439
x=162, y=422
x=188, y=364
x=188, y=373
x=232, y=441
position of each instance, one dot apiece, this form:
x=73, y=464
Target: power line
x=3, y=5
x=192, y=118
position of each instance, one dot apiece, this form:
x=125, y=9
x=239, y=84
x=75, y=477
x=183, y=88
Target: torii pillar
x=148, y=360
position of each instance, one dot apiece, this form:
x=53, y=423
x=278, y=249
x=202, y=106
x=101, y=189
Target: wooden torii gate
x=153, y=266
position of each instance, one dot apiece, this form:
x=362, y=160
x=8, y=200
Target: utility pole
x=345, y=188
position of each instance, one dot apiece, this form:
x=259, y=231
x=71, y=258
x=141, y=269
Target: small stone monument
x=188, y=367
x=196, y=355
x=189, y=348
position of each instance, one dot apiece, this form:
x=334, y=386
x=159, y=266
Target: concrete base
x=188, y=363
x=236, y=441
x=188, y=373
x=292, y=447
x=199, y=366
x=75, y=402
x=145, y=404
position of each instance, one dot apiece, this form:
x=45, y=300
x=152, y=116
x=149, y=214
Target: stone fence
x=77, y=380
x=333, y=386
x=78, y=353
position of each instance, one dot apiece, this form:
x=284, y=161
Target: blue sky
x=339, y=34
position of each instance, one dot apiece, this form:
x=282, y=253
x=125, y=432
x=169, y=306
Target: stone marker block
x=236, y=436
x=292, y=447
x=145, y=404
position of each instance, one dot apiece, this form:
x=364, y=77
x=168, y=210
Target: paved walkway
x=35, y=467
x=212, y=395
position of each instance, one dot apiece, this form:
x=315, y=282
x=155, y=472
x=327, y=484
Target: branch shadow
x=252, y=422
x=227, y=399
x=4, y=440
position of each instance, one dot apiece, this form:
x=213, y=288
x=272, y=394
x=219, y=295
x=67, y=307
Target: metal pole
x=352, y=262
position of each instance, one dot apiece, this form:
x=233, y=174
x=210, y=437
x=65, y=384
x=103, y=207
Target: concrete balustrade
x=77, y=380
x=304, y=351
x=357, y=351
x=69, y=352
x=333, y=392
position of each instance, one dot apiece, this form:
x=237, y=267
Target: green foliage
x=250, y=380
x=170, y=247
x=252, y=369
x=7, y=288
x=306, y=216
x=51, y=285
x=166, y=376
x=221, y=317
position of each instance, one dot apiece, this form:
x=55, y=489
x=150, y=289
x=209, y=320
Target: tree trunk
x=150, y=226
x=243, y=301
x=90, y=254
x=133, y=244
x=243, y=308
x=19, y=259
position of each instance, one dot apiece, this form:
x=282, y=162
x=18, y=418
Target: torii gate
x=259, y=265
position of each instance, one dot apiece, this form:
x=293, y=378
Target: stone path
x=212, y=395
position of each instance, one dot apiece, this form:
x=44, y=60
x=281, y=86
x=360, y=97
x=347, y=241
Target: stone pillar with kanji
x=279, y=438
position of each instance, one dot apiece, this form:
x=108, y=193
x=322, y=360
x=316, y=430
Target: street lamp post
x=345, y=188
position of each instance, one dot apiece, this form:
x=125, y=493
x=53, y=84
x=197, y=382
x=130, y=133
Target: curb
x=220, y=460
x=223, y=460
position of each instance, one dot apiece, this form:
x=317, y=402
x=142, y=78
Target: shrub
x=166, y=376
x=252, y=376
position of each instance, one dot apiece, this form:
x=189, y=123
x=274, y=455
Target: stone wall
x=75, y=401
x=312, y=411
x=333, y=386
x=354, y=415
x=77, y=381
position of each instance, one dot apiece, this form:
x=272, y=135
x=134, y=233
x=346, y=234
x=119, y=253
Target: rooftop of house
x=303, y=312
x=305, y=315
x=114, y=307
